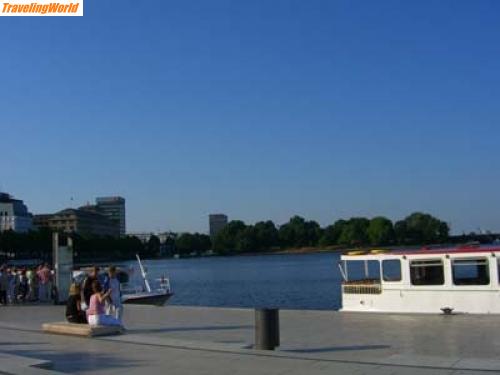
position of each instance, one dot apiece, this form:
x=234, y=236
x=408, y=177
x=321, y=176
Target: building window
x=473, y=271
x=391, y=269
x=427, y=272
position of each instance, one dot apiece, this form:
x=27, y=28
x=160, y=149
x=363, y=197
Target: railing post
x=267, y=333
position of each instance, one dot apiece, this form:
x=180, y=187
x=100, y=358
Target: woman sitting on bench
x=74, y=312
x=95, y=313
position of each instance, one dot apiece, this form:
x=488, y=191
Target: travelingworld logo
x=42, y=8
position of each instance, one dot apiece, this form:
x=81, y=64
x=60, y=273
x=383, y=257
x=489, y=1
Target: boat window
x=391, y=269
x=473, y=271
x=427, y=272
x=363, y=270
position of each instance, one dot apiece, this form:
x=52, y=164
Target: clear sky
x=257, y=109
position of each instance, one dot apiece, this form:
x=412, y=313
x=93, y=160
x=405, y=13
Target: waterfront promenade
x=197, y=340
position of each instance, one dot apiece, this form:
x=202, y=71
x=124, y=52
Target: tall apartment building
x=14, y=214
x=216, y=222
x=114, y=209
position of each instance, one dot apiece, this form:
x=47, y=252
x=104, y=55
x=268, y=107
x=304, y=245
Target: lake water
x=305, y=281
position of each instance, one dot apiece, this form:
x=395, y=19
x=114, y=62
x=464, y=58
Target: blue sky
x=258, y=109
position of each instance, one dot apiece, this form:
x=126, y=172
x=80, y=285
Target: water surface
x=305, y=281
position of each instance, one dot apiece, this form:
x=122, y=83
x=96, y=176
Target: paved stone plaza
x=194, y=340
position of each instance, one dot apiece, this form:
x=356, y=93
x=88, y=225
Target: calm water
x=310, y=281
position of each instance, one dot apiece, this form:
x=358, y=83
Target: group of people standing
x=26, y=284
x=97, y=301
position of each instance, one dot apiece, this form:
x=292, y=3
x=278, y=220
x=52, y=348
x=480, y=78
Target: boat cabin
x=458, y=280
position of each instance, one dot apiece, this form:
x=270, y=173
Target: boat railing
x=366, y=286
x=128, y=288
x=161, y=285
x=164, y=283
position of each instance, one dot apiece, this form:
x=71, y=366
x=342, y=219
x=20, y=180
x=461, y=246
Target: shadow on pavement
x=77, y=361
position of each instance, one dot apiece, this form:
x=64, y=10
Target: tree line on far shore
x=37, y=245
x=416, y=229
x=237, y=238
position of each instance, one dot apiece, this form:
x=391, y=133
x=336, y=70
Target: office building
x=114, y=209
x=14, y=215
x=216, y=223
x=81, y=221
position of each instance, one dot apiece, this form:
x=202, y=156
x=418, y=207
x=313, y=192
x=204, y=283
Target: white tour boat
x=440, y=280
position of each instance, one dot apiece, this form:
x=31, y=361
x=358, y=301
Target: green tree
x=355, y=232
x=246, y=240
x=331, y=233
x=153, y=247
x=237, y=237
x=185, y=243
x=188, y=243
x=421, y=228
x=380, y=231
x=298, y=233
x=226, y=241
x=266, y=235
x=204, y=242
x=401, y=232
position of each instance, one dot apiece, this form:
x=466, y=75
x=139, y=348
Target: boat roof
x=463, y=249
x=448, y=250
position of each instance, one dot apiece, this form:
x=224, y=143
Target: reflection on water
x=310, y=281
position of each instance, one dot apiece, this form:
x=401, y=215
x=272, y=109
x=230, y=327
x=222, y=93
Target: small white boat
x=145, y=295
x=138, y=293
x=443, y=280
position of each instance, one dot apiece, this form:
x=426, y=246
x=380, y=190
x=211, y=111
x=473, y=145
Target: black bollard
x=267, y=330
x=277, y=329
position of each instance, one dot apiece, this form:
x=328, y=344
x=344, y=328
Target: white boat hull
x=424, y=301
x=152, y=299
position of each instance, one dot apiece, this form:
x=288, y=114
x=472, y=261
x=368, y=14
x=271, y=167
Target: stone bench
x=84, y=330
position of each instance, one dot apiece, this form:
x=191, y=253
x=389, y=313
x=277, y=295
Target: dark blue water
x=310, y=281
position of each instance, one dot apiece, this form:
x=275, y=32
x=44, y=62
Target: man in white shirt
x=114, y=305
